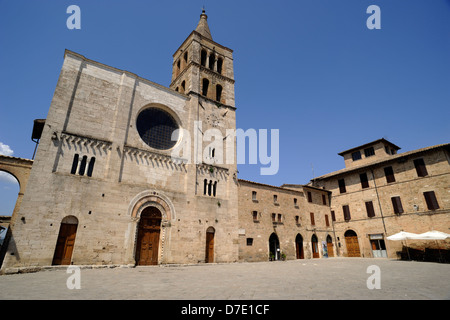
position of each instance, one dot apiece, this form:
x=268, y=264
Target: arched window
x=205, y=186
x=315, y=246
x=218, y=92
x=76, y=158
x=209, y=187
x=205, y=84
x=212, y=60
x=91, y=167
x=83, y=166
x=219, y=65
x=183, y=85
x=214, y=188
x=185, y=57
x=203, y=58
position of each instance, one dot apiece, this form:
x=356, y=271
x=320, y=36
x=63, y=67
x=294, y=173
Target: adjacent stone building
x=128, y=172
x=381, y=192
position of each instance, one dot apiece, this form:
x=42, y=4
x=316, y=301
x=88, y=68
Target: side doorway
x=66, y=241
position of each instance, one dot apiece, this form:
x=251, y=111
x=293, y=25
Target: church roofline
x=134, y=75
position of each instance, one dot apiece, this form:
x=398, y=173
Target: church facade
x=106, y=189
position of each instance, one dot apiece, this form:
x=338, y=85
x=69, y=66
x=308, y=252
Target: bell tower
x=204, y=67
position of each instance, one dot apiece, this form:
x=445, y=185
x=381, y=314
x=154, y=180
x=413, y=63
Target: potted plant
x=283, y=256
x=271, y=256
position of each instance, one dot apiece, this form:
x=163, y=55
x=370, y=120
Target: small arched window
x=205, y=186
x=219, y=65
x=203, y=58
x=205, y=84
x=83, y=166
x=75, y=164
x=214, y=188
x=185, y=57
x=218, y=92
x=212, y=60
x=183, y=85
x=91, y=167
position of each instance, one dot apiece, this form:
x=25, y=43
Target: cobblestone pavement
x=333, y=278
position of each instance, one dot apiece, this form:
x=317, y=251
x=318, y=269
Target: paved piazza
x=333, y=278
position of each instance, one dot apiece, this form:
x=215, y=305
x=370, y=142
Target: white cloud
x=5, y=150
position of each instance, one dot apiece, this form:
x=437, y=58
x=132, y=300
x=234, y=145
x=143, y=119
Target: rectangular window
x=279, y=217
x=369, y=209
x=389, y=173
x=397, y=204
x=309, y=196
x=431, y=200
x=342, y=185
x=273, y=217
x=356, y=155
x=295, y=201
x=346, y=211
x=324, y=199
x=297, y=220
x=255, y=215
x=420, y=167
x=254, y=195
x=369, y=152
x=275, y=198
x=249, y=241
x=364, y=180
x=333, y=216
x=327, y=223
x=313, y=223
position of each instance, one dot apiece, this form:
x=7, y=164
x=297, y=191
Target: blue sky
x=310, y=68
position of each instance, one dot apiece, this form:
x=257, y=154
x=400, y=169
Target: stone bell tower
x=204, y=67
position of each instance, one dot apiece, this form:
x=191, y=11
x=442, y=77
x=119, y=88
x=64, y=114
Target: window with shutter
x=333, y=216
x=389, y=173
x=342, y=185
x=346, y=210
x=312, y=218
x=327, y=222
x=397, y=204
x=309, y=196
x=364, y=180
x=420, y=167
x=369, y=209
x=431, y=200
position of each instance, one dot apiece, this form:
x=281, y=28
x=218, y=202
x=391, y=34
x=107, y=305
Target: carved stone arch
x=151, y=198
x=145, y=199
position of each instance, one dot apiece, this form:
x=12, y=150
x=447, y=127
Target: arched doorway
x=209, y=251
x=66, y=241
x=330, y=246
x=299, y=247
x=148, y=237
x=351, y=242
x=274, y=247
x=315, y=246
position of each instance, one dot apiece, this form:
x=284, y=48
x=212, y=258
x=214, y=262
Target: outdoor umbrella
x=402, y=235
x=433, y=235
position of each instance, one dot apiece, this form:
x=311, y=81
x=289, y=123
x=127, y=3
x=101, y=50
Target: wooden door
x=65, y=244
x=209, y=247
x=351, y=241
x=148, y=237
x=299, y=247
x=330, y=249
x=315, y=247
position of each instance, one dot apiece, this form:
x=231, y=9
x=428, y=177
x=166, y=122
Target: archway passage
x=330, y=246
x=299, y=247
x=274, y=247
x=148, y=237
x=66, y=241
x=315, y=246
x=351, y=242
x=209, y=251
